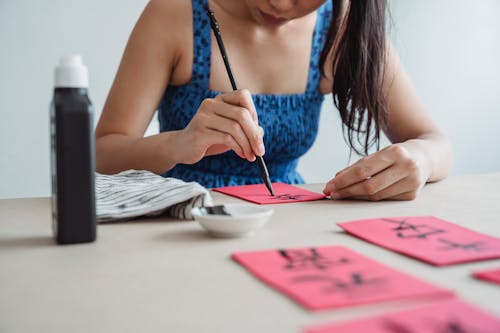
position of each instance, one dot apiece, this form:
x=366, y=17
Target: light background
x=451, y=49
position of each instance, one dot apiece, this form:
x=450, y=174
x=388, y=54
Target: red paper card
x=490, y=275
x=443, y=316
x=426, y=238
x=331, y=277
x=258, y=193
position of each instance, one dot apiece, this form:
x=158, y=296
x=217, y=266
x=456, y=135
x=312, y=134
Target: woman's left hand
x=396, y=172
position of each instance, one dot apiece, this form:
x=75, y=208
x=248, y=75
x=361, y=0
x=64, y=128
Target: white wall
x=451, y=50
x=33, y=35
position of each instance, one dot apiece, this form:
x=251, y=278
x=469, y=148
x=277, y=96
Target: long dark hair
x=357, y=39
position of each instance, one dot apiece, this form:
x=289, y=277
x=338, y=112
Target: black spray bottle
x=72, y=154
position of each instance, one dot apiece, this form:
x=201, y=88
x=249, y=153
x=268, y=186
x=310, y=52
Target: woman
x=288, y=54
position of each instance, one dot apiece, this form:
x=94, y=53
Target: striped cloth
x=135, y=193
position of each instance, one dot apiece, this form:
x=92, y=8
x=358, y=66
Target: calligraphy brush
x=215, y=28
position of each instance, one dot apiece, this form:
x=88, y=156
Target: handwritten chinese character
x=405, y=229
x=355, y=285
x=287, y=197
x=307, y=259
x=476, y=246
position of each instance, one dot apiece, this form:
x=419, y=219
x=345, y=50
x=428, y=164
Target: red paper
x=331, y=277
x=427, y=238
x=490, y=275
x=444, y=316
x=259, y=193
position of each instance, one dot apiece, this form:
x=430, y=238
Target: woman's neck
x=235, y=9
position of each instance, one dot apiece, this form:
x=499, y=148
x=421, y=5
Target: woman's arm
x=419, y=153
x=157, y=54
x=144, y=72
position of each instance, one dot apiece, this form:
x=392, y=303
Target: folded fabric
x=135, y=193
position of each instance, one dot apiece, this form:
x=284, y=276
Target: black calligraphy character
x=396, y=327
x=454, y=327
x=409, y=230
x=356, y=284
x=287, y=197
x=476, y=246
x=310, y=258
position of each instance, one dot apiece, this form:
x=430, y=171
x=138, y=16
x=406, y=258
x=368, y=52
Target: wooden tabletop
x=165, y=275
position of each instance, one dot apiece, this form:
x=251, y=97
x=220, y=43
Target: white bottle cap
x=71, y=72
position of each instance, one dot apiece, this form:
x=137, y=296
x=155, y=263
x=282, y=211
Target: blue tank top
x=290, y=121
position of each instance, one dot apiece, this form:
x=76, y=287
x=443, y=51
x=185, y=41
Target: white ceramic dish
x=244, y=220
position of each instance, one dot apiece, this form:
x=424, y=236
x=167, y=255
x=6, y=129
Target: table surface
x=165, y=275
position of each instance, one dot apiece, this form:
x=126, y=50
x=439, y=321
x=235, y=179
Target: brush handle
x=215, y=28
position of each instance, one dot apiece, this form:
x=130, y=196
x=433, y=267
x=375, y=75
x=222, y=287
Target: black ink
x=409, y=230
x=288, y=196
x=476, y=246
x=355, y=283
x=454, y=326
x=307, y=259
x=214, y=210
x=434, y=326
x=396, y=327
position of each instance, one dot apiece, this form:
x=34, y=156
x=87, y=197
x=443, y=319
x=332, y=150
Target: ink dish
x=233, y=220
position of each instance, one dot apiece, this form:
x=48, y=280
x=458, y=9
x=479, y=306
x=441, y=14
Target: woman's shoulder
x=168, y=24
x=169, y=13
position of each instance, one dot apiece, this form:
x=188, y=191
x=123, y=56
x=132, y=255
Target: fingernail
x=335, y=195
x=262, y=149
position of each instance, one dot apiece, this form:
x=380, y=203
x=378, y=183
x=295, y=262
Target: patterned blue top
x=290, y=121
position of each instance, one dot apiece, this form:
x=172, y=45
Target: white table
x=164, y=275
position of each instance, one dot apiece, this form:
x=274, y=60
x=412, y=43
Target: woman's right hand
x=228, y=121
